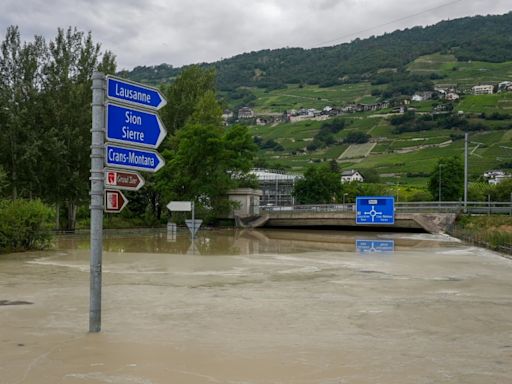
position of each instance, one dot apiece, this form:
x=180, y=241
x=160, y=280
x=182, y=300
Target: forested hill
x=483, y=38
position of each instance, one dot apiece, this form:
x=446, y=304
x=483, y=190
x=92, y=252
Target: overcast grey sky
x=177, y=32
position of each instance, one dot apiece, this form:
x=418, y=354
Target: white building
x=352, y=175
x=483, y=89
x=245, y=113
x=496, y=176
x=504, y=85
x=421, y=96
x=452, y=96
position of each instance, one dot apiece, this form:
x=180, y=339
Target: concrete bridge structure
x=432, y=217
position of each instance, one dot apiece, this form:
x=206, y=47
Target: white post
x=97, y=180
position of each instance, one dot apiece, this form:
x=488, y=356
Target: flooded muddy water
x=266, y=306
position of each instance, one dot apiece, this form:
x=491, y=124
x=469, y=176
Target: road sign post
x=121, y=179
x=375, y=210
x=186, y=206
x=132, y=158
x=134, y=93
x=132, y=126
x=128, y=125
x=115, y=201
x=97, y=180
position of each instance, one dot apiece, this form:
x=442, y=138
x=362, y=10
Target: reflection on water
x=244, y=242
x=375, y=246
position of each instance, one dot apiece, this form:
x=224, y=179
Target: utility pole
x=465, y=172
x=440, y=178
x=97, y=190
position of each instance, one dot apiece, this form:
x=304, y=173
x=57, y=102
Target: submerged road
x=266, y=306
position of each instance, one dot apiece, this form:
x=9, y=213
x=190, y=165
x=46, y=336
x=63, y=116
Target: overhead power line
x=387, y=23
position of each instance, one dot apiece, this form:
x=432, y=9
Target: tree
x=320, y=185
x=205, y=159
x=73, y=56
x=357, y=138
x=370, y=175
x=183, y=95
x=20, y=82
x=45, y=115
x=447, y=178
x=503, y=191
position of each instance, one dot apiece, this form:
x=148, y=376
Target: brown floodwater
x=254, y=307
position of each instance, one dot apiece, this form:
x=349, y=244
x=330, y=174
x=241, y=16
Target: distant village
x=287, y=180
x=397, y=106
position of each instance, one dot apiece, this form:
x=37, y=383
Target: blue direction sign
x=375, y=246
x=134, y=93
x=132, y=158
x=375, y=210
x=134, y=126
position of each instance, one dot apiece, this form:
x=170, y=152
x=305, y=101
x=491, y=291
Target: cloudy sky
x=177, y=32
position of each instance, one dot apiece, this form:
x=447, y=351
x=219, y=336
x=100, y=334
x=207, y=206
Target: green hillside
x=463, y=74
x=452, y=54
x=408, y=156
x=484, y=39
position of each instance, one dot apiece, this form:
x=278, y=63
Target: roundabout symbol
x=373, y=213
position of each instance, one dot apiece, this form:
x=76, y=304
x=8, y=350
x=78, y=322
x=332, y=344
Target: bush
x=357, y=138
x=24, y=225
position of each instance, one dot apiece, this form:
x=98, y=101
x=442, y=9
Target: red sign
x=128, y=180
x=114, y=201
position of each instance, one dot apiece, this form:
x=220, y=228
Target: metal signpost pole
x=193, y=222
x=97, y=180
x=465, y=172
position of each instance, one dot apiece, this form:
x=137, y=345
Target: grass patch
x=493, y=231
x=499, y=102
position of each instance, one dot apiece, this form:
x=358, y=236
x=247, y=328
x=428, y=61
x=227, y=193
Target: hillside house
x=422, y=96
x=486, y=89
x=504, y=85
x=352, y=175
x=245, y=113
x=496, y=176
x=227, y=114
x=452, y=96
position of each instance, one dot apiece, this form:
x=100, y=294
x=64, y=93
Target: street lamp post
x=345, y=194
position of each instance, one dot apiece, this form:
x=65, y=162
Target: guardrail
x=473, y=207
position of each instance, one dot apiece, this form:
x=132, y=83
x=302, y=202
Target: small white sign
x=180, y=206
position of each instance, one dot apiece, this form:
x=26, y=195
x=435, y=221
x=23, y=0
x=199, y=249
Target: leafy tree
x=503, y=191
x=320, y=185
x=370, y=175
x=479, y=191
x=73, y=56
x=3, y=181
x=206, y=159
x=184, y=94
x=448, y=178
x=20, y=81
x=45, y=94
x=357, y=138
